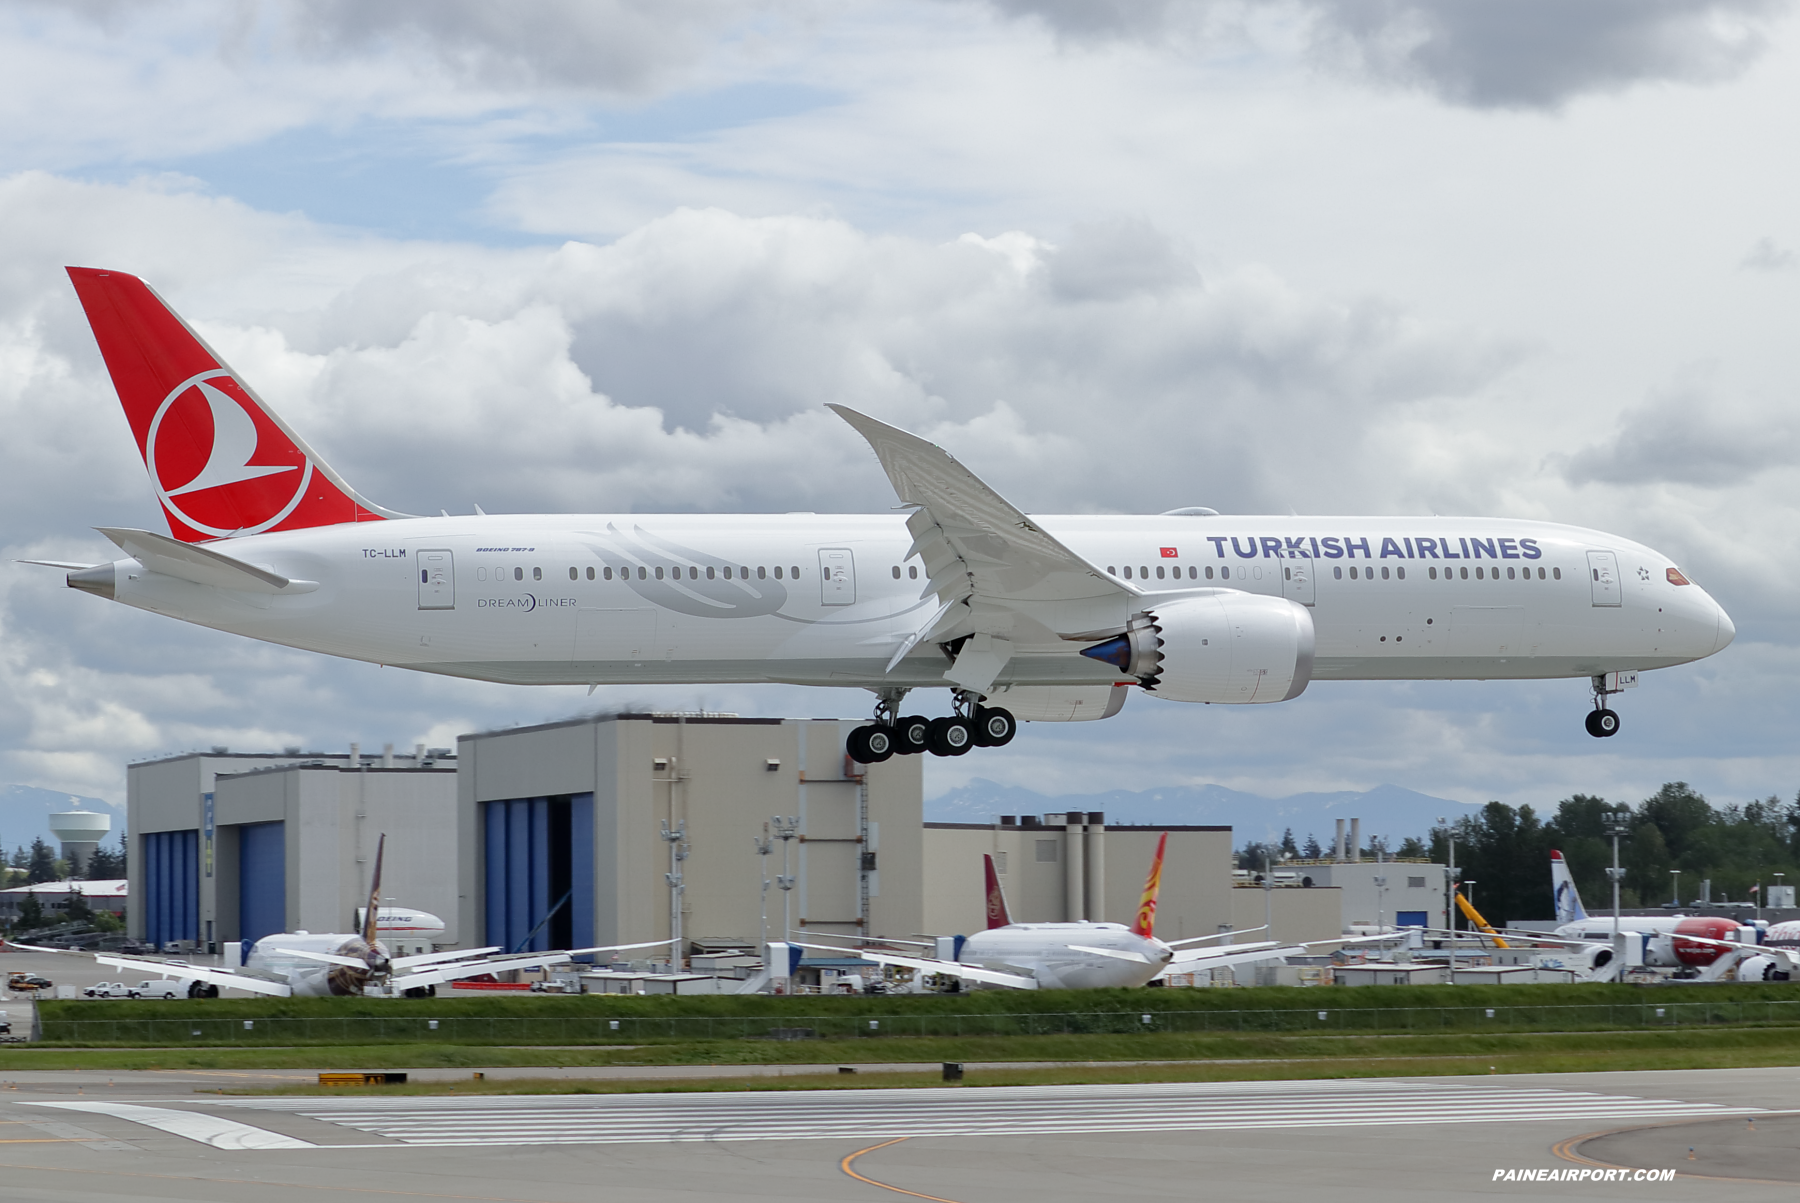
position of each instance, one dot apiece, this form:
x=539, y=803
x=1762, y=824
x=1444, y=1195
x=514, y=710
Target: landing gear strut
x=1601, y=721
x=972, y=725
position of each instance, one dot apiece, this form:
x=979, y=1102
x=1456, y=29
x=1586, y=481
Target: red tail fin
x=1145, y=924
x=373, y=913
x=220, y=460
x=996, y=899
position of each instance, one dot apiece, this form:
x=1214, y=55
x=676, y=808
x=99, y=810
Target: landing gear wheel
x=911, y=735
x=994, y=728
x=870, y=744
x=952, y=736
x=1602, y=723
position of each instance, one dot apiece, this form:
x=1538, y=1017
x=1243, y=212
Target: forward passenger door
x=1603, y=568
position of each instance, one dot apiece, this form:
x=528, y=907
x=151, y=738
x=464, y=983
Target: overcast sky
x=1538, y=259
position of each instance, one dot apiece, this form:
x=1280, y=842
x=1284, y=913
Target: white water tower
x=80, y=832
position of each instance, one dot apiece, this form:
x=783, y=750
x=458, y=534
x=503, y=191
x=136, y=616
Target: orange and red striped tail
x=1145, y=923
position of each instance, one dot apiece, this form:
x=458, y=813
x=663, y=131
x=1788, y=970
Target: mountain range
x=1388, y=811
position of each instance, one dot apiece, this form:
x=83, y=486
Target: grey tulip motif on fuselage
x=702, y=590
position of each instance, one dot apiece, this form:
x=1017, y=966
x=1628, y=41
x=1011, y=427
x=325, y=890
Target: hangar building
x=230, y=846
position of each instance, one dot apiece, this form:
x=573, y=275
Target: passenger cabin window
x=762, y=573
x=794, y=571
x=481, y=574
x=659, y=572
x=1557, y=573
x=607, y=572
x=778, y=572
x=1400, y=572
x=1209, y=572
x=709, y=572
x=1465, y=574
x=573, y=575
x=537, y=574
x=518, y=574
x=1432, y=573
x=1384, y=572
x=1161, y=573
x=1337, y=572
x=912, y=571
x=896, y=572
x=591, y=574
x=1128, y=572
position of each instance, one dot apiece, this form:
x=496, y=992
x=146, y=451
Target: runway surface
x=1363, y=1139
x=885, y=1114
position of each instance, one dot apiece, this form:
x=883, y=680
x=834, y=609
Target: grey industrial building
x=231, y=846
x=566, y=835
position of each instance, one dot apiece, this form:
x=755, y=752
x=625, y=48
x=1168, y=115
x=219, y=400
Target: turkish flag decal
x=1169, y=553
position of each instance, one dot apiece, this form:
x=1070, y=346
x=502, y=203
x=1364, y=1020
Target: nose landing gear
x=1602, y=722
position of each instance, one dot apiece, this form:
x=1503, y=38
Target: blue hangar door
x=538, y=856
x=171, y=886
x=1411, y=919
x=262, y=881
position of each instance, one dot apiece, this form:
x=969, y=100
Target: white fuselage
x=312, y=979
x=1054, y=954
x=548, y=599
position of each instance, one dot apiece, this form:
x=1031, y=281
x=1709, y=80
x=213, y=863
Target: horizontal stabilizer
x=992, y=977
x=65, y=565
x=200, y=565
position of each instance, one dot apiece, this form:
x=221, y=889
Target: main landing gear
x=1601, y=721
x=972, y=725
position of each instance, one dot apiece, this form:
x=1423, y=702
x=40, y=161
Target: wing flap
x=948, y=968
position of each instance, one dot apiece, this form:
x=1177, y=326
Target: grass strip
x=1761, y=1046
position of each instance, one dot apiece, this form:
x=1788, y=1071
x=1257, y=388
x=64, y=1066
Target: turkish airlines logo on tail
x=217, y=461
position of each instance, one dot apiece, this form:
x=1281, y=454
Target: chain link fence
x=601, y=1029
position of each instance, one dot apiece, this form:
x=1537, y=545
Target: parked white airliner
x=303, y=964
x=1072, y=956
x=1033, y=617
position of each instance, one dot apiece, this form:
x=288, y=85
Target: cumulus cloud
x=1543, y=53
x=1765, y=255
x=1685, y=436
x=1528, y=54
x=625, y=47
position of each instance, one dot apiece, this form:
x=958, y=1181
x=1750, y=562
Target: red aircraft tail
x=221, y=462
x=1145, y=923
x=996, y=898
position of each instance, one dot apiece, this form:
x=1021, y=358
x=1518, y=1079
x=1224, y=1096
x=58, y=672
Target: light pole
x=1675, y=888
x=785, y=830
x=1450, y=876
x=1618, y=823
x=764, y=847
x=1380, y=900
x=678, y=852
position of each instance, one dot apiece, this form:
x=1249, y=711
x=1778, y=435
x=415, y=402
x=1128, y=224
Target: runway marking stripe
x=213, y=1130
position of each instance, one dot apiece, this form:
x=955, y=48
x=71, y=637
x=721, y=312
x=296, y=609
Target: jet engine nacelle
x=1225, y=647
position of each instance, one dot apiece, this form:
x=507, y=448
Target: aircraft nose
x=1727, y=630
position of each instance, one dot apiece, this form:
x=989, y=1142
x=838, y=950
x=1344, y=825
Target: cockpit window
x=1675, y=577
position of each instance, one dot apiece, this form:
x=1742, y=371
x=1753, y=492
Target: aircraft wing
x=438, y=974
x=1116, y=954
x=325, y=958
x=972, y=973
x=196, y=973
x=433, y=958
x=1232, y=955
x=983, y=552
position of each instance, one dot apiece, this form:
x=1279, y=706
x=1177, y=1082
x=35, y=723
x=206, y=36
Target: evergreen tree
x=77, y=909
x=31, y=913
x=41, y=865
x=106, y=865
x=1287, y=843
x=1311, y=850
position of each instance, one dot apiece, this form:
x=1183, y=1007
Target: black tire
x=1592, y=723
x=879, y=742
x=994, y=728
x=1606, y=723
x=911, y=735
x=952, y=736
x=857, y=746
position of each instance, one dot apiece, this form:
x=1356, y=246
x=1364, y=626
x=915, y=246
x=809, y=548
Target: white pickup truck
x=162, y=989
x=106, y=990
